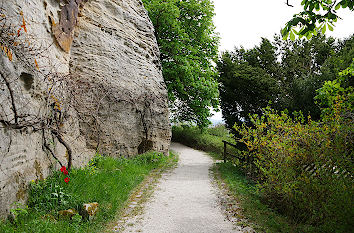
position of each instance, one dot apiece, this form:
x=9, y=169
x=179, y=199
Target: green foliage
x=219, y=130
x=19, y=212
x=285, y=73
x=209, y=140
x=247, y=82
x=309, y=22
x=258, y=213
x=110, y=185
x=51, y=195
x=188, y=44
x=150, y=158
x=77, y=218
x=304, y=168
x=340, y=89
x=340, y=60
x=302, y=64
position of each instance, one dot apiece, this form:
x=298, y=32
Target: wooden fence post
x=224, y=151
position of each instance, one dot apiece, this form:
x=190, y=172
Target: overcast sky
x=245, y=22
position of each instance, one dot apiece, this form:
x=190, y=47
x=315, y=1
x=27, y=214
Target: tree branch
x=66, y=145
x=287, y=3
x=46, y=147
x=11, y=97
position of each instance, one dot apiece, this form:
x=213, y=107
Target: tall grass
x=108, y=181
x=254, y=209
x=209, y=140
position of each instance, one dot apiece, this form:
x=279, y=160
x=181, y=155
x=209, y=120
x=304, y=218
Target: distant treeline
x=282, y=74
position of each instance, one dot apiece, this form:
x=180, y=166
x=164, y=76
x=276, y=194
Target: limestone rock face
x=117, y=54
x=111, y=95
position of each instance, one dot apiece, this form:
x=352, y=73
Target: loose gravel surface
x=184, y=200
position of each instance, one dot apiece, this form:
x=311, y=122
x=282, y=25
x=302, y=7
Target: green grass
x=260, y=215
x=264, y=218
x=107, y=180
x=209, y=140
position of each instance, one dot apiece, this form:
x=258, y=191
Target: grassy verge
x=208, y=140
x=257, y=214
x=106, y=180
x=264, y=219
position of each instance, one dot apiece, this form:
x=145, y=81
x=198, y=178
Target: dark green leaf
x=344, y=3
x=337, y=6
x=312, y=6
x=330, y=27
x=292, y=36
x=324, y=29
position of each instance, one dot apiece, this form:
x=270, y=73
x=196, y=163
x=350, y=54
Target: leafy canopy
x=318, y=15
x=247, y=82
x=297, y=160
x=188, y=44
x=284, y=72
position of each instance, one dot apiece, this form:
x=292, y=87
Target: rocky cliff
x=76, y=77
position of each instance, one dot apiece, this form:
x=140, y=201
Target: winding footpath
x=184, y=200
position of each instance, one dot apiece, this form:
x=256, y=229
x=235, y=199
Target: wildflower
x=63, y=168
x=66, y=180
x=64, y=171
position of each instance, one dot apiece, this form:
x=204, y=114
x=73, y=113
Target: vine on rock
x=16, y=113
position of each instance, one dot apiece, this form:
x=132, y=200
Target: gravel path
x=184, y=201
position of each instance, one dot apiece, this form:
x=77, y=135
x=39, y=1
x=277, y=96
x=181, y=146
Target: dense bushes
x=209, y=140
x=305, y=167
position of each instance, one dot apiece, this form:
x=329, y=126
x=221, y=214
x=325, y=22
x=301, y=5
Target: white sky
x=245, y=22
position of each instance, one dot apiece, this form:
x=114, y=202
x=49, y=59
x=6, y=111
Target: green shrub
x=106, y=180
x=304, y=169
x=19, y=212
x=209, y=140
x=51, y=195
x=219, y=130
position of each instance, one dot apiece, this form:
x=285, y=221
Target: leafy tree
x=248, y=81
x=340, y=60
x=340, y=90
x=309, y=22
x=285, y=72
x=301, y=69
x=188, y=44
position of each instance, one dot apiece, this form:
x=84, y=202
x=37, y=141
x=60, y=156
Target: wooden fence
x=311, y=169
x=239, y=145
x=327, y=168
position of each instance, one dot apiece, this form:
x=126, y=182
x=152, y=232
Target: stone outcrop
x=108, y=92
x=89, y=210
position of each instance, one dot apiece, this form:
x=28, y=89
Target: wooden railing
x=239, y=145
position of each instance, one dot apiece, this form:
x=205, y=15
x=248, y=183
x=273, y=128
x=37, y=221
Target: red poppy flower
x=66, y=180
x=63, y=168
x=65, y=172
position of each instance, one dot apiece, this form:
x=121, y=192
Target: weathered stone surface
x=122, y=63
x=113, y=70
x=64, y=30
x=21, y=156
x=89, y=210
x=67, y=214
